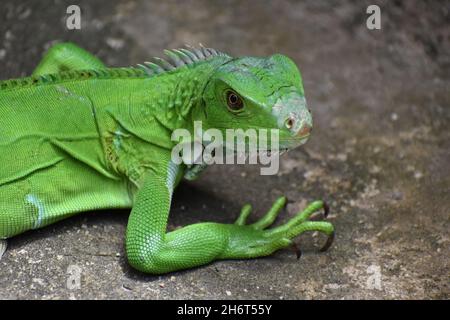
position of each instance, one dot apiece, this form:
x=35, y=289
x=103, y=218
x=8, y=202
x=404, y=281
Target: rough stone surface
x=379, y=152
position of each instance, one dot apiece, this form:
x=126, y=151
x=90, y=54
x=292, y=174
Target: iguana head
x=259, y=93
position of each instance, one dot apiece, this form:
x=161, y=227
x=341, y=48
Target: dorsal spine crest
x=178, y=58
x=55, y=78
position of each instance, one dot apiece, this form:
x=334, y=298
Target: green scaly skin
x=78, y=136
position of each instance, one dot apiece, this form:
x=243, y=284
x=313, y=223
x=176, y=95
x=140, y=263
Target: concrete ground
x=380, y=151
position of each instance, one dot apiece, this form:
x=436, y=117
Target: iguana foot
x=150, y=249
x=3, y=245
x=254, y=240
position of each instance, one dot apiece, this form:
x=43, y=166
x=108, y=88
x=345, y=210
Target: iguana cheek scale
x=78, y=136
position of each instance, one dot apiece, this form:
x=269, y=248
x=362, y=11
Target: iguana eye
x=234, y=102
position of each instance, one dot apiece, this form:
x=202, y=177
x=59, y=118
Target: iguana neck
x=144, y=116
x=178, y=99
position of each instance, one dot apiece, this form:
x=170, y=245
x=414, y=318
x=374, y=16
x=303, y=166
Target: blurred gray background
x=379, y=153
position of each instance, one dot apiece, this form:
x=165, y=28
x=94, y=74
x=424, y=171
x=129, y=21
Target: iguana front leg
x=65, y=57
x=150, y=249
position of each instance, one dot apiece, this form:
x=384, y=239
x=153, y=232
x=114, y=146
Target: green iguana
x=78, y=136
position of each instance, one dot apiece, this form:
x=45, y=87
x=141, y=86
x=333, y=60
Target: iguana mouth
x=270, y=153
x=292, y=143
x=262, y=151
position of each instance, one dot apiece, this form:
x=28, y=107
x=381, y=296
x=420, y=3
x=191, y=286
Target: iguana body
x=77, y=136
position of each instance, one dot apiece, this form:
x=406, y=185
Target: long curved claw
x=3, y=245
x=328, y=243
x=326, y=209
x=297, y=251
